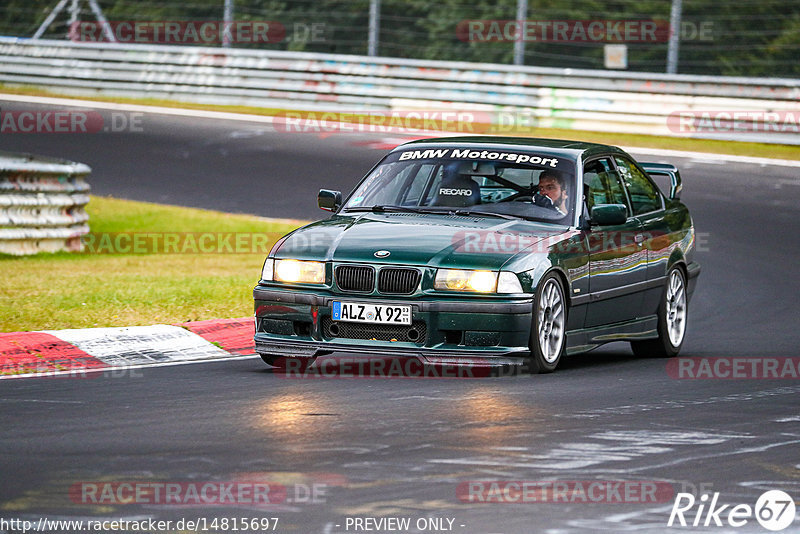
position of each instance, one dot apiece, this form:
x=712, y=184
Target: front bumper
x=297, y=323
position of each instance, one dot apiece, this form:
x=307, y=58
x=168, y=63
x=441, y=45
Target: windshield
x=477, y=182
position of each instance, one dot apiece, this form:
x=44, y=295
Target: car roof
x=562, y=147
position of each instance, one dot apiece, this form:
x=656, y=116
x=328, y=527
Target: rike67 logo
x=774, y=510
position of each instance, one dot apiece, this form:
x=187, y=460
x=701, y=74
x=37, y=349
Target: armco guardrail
x=563, y=98
x=42, y=204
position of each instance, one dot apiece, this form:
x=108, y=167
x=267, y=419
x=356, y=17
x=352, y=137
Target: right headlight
x=294, y=271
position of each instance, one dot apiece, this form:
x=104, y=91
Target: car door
x=617, y=263
x=647, y=204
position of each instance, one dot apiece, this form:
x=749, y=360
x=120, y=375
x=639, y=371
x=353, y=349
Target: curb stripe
x=140, y=345
x=53, y=353
x=23, y=353
x=233, y=335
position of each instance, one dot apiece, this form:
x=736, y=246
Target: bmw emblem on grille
x=382, y=253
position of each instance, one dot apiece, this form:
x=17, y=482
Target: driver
x=553, y=186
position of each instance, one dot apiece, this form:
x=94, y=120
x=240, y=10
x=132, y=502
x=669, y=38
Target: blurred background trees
x=742, y=37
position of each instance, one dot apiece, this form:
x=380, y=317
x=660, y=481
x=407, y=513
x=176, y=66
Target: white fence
x=41, y=204
x=615, y=101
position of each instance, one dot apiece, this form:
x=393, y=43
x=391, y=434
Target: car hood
x=418, y=239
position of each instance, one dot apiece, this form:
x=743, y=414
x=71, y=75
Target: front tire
x=548, y=329
x=673, y=313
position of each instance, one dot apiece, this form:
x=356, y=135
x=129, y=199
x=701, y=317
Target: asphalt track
x=386, y=447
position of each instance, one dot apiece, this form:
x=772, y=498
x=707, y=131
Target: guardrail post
x=228, y=19
x=674, y=36
x=374, y=27
x=519, y=44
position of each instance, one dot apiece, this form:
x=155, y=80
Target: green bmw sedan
x=483, y=247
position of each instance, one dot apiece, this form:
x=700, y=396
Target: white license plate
x=358, y=312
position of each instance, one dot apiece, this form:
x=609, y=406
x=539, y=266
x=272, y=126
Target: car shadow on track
x=603, y=356
x=370, y=366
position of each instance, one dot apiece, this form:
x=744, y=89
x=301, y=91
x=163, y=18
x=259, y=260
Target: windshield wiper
x=406, y=209
x=383, y=209
x=472, y=213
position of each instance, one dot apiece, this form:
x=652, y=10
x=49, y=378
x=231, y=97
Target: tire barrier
x=42, y=204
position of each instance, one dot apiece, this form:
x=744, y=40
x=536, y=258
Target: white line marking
x=679, y=404
x=181, y=112
x=42, y=400
x=709, y=157
x=706, y=161
x=714, y=454
x=115, y=368
x=628, y=445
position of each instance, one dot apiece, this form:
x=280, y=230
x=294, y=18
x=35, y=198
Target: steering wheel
x=520, y=196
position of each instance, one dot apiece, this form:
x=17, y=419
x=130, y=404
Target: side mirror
x=609, y=214
x=329, y=200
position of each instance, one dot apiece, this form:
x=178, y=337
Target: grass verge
x=83, y=290
x=762, y=150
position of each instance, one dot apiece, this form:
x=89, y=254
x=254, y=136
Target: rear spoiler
x=665, y=169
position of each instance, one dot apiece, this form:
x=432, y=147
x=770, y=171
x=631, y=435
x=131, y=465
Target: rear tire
x=548, y=329
x=673, y=313
x=291, y=363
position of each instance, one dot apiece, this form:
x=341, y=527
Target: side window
x=662, y=180
x=645, y=197
x=601, y=184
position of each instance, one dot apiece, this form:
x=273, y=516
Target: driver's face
x=550, y=188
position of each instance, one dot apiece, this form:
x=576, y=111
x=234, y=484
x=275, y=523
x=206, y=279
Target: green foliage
x=741, y=38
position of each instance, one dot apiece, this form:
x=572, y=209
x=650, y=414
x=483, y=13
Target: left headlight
x=306, y=272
